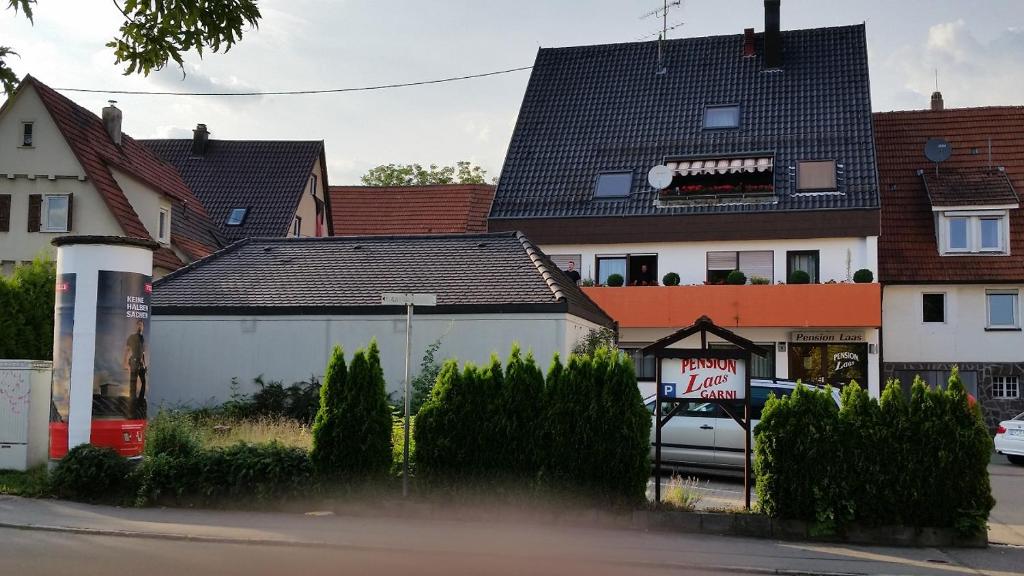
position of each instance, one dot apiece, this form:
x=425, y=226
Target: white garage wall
x=193, y=358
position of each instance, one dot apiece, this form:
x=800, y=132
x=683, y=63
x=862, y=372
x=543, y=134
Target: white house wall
x=961, y=338
x=194, y=358
x=146, y=201
x=839, y=258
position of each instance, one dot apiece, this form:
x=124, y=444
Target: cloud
x=972, y=72
x=195, y=80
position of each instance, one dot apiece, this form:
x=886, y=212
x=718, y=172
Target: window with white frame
x=297, y=226
x=164, y=226
x=55, y=213
x=1005, y=387
x=974, y=232
x=1003, y=309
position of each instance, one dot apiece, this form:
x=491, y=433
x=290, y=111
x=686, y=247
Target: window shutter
x=35, y=210
x=721, y=261
x=758, y=263
x=562, y=260
x=71, y=198
x=5, y=212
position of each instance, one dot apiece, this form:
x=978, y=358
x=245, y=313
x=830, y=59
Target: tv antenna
x=663, y=35
x=938, y=151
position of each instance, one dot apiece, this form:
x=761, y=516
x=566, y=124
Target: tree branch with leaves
x=156, y=32
x=416, y=175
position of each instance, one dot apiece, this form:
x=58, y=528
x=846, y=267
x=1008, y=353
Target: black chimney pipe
x=772, y=42
x=199, y=138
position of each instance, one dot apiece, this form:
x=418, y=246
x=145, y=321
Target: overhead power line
x=297, y=92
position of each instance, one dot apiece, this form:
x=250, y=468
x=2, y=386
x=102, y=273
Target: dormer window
x=613, y=185
x=237, y=216
x=721, y=117
x=164, y=226
x=816, y=176
x=26, y=134
x=964, y=232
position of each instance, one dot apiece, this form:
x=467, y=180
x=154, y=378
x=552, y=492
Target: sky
x=976, y=45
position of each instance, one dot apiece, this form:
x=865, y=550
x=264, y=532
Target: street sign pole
x=409, y=301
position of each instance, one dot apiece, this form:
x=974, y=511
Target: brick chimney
x=200, y=136
x=748, y=42
x=937, y=103
x=112, y=122
x=772, y=41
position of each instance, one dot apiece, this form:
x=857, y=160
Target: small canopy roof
x=704, y=325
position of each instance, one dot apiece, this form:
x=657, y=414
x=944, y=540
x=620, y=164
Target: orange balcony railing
x=770, y=305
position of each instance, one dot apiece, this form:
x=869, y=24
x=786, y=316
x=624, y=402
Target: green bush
x=736, y=278
x=445, y=442
x=27, y=300
x=326, y=452
x=863, y=276
x=760, y=280
x=423, y=383
x=520, y=408
x=799, y=277
x=876, y=463
x=236, y=475
x=624, y=464
x=92, y=474
x=670, y=279
x=173, y=434
x=615, y=280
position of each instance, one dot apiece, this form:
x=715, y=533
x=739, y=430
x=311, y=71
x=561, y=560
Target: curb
x=335, y=546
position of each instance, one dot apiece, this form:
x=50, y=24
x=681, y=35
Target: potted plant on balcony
x=736, y=278
x=863, y=276
x=759, y=280
x=670, y=279
x=615, y=280
x=799, y=277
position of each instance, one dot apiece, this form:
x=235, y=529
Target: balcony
x=778, y=305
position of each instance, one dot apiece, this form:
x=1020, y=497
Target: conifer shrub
x=670, y=279
x=520, y=411
x=736, y=278
x=326, y=452
x=863, y=276
x=615, y=280
x=799, y=277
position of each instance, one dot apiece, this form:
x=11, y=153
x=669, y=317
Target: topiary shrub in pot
x=799, y=277
x=863, y=276
x=670, y=279
x=736, y=278
x=615, y=280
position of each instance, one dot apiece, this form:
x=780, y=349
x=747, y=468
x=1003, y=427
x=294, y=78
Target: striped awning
x=720, y=166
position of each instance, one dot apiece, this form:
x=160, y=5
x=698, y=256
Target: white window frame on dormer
x=163, y=226
x=973, y=220
x=44, y=219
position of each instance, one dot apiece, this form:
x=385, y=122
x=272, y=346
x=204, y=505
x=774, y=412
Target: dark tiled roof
x=502, y=272
x=386, y=210
x=969, y=187
x=265, y=176
x=592, y=109
x=97, y=154
x=907, y=249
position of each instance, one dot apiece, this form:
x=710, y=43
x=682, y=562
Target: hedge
x=583, y=430
x=27, y=299
x=875, y=462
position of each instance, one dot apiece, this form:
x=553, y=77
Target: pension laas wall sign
x=704, y=378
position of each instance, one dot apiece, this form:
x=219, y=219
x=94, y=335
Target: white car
x=703, y=436
x=1010, y=439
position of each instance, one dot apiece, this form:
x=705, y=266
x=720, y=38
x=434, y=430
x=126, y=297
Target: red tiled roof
x=387, y=210
x=96, y=152
x=907, y=249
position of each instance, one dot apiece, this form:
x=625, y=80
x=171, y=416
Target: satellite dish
x=660, y=177
x=937, y=150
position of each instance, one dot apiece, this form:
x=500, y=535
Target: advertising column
x=101, y=343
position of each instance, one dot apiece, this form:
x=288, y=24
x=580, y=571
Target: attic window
x=237, y=216
x=26, y=134
x=613, y=185
x=717, y=117
x=816, y=175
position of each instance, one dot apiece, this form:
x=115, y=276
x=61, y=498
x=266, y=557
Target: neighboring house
x=751, y=151
x=951, y=254
x=254, y=188
x=276, y=307
x=385, y=210
x=64, y=170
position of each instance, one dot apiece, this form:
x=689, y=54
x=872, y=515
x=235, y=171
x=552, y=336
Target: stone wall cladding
x=994, y=410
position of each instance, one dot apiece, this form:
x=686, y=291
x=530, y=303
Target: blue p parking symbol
x=668, y=390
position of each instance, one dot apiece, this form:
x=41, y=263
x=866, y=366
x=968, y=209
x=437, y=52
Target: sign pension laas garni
x=703, y=378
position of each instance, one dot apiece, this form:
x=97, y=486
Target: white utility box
x=24, y=413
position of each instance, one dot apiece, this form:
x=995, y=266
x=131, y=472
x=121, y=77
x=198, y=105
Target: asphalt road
x=1006, y=522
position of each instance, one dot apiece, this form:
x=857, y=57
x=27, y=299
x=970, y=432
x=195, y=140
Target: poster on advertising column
x=60, y=387
x=122, y=353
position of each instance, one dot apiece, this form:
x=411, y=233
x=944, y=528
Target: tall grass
x=257, y=430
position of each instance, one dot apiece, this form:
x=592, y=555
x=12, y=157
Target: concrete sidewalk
x=491, y=541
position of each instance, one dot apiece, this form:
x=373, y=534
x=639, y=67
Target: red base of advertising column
x=125, y=436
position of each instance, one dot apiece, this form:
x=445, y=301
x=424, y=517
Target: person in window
x=644, y=277
x=572, y=273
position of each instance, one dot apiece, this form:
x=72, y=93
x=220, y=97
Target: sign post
x=719, y=376
x=409, y=300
